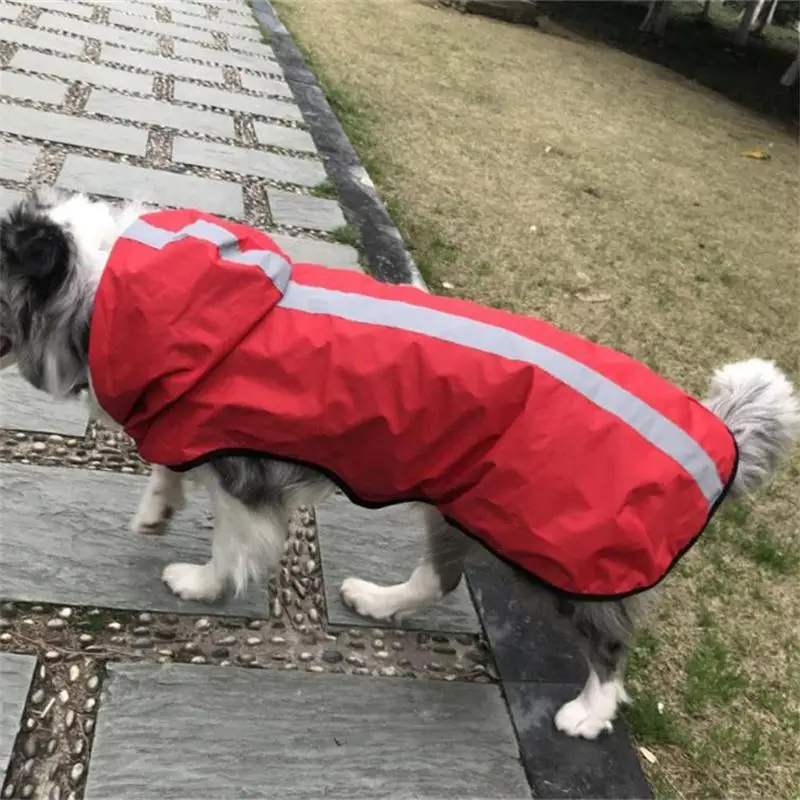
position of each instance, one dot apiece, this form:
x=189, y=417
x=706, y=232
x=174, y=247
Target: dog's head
x=39, y=296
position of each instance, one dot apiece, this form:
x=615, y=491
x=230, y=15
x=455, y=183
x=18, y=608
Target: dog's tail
x=759, y=406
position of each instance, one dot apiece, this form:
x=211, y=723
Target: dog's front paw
x=577, y=718
x=367, y=599
x=192, y=581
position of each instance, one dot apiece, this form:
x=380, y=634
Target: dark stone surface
x=559, y=766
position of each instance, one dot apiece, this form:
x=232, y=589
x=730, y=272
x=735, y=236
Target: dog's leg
x=437, y=574
x=605, y=630
x=247, y=544
x=161, y=499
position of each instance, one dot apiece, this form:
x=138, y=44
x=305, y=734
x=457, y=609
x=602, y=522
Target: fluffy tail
x=759, y=405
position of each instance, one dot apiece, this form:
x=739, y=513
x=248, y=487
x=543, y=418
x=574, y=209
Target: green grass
x=347, y=234
x=325, y=189
x=713, y=676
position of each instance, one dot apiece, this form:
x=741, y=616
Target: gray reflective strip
x=649, y=423
x=273, y=265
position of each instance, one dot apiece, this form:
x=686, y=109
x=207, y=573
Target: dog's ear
x=34, y=247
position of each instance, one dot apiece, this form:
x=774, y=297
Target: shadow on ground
x=701, y=52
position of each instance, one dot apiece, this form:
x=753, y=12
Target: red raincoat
x=572, y=461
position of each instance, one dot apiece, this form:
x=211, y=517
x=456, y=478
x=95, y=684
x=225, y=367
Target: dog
x=53, y=250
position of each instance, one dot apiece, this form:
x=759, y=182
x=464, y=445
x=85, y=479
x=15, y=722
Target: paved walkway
x=112, y=687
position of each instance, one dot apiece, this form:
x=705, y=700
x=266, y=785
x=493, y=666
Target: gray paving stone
x=265, y=63
x=222, y=98
x=381, y=546
x=138, y=9
x=292, y=736
x=33, y=37
x=254, y=46
x=95, y=74
x=241, y=29
x=16, y=158
x=281, y=136
x=27, y=87
x=76, y=9
x=66, y=541
x=302, y=172
x=24, y=408
x=151, y=186
x=161, y=28
x=258, y=83
x=93, y=30
x=302, y=211
x=165, y=66
x=73, y=130
x=16, y=673
x=9, y=12
x=8, y=196
x=303, y=250
x=155, y=113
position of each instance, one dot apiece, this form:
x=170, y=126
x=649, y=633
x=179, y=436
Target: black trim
x=356, y=500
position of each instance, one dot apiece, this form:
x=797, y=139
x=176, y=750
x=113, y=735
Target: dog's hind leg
x=161, y=499
x=605, y=629
x=437, y=574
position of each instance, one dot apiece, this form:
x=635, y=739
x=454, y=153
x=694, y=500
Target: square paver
x=300, y=171
x=16, y=673
x=82, y=71
x=303, y=250
x=182, y=731
x=559, y=766
x=161, y=188
x=382, y=546
x=283, y=136
x=24, y=408
x=49, y=126
x=66, y=541
x=28, y=87
x=152, y=112
x=303, y=211
x=33, y=37
x=16, y=158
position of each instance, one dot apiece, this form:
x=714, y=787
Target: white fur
x=161, y=499
x=592, y=712
x=393, y=602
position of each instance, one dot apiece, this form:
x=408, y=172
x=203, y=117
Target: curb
x=539, y=664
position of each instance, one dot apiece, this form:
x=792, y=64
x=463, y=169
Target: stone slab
x=241, y=29
x=66, y=541
x=304, y=211
x=562, y=767
x=151, y=186
x=67, y=129
x=267, y=86
x=293, y=736
x=9, y=12
x=529, y=641
x=283, y=136
x=8, y=196
x=93, y=30
x=152, y=112
x=66, y=7
x=161, y=28
x=33, y=37
x=254, y=46
x=265, y=64
x=382, y=546
x=135, y=9
x=95, y=74
x=24, y=408
x=302, y=172
x=28, y=87
x=231, y=101
x=165, y=66
x=303, y=250
x=16, y=673
x=16, y=158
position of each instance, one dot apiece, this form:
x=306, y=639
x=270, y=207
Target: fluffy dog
x=53, y=249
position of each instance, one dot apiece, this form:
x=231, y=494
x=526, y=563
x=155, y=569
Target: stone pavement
x=111, y=686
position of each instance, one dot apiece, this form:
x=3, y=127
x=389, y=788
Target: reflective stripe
x=274, y=266
x=661, y=432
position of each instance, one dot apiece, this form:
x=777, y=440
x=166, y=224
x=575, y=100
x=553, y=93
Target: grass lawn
x=553, y=173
